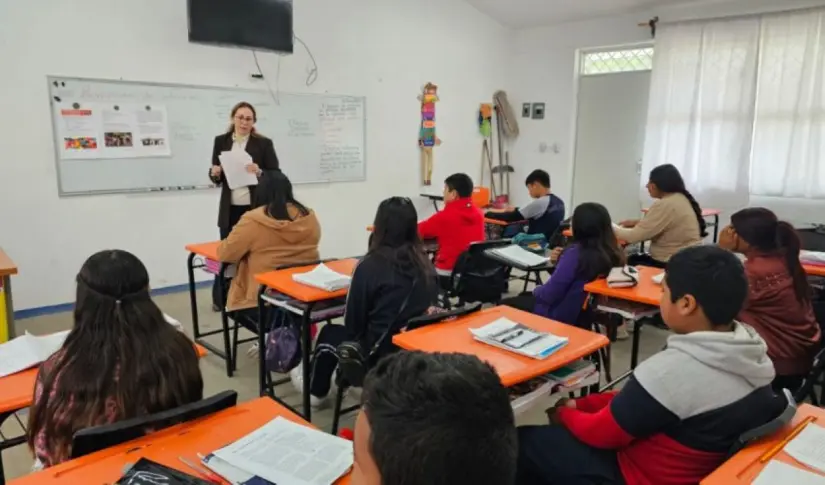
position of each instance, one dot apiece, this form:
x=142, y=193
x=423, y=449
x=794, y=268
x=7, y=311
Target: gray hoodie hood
x=701, y=371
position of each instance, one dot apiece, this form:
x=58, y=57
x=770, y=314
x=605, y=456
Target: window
x=610, y=62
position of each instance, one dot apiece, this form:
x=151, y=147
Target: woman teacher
x=241, y=135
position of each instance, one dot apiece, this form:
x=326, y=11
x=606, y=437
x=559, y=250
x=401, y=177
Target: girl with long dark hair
x=394, y=283
x=779, y=297
x=592, y=254
x=278, y=231
x=121, y=359
x=672, y=223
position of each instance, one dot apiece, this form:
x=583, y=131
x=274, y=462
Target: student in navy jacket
x=680, y=412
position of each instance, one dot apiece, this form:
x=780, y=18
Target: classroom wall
x=382, y=49
x=543, y=65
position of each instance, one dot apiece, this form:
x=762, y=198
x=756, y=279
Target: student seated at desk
x=543, y=214
x=779, y=297
x=672, y=223
x=278, y=231
x=455, y=227
x=593, y=253
x=394, y=283
x=434, y=419
x=120, y=361
x=680, y=412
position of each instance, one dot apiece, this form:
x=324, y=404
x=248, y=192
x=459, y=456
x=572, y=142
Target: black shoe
x=216, y=308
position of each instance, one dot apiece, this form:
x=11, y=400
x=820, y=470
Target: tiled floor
x=18, y=460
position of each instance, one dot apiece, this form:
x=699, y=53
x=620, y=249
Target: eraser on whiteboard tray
x=257, y=76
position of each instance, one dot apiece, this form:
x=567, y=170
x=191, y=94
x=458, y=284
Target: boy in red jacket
x=682, y=410
x=455, y=227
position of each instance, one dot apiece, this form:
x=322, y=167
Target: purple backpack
x=283, y=344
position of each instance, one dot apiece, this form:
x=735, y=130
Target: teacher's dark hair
x=395, y=238
x=121, y=359
x=274, y=192
x=668, y=180
x=242, y=104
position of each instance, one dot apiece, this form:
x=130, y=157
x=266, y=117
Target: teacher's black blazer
x=262, y=151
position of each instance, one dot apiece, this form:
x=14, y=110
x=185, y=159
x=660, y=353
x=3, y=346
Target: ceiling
x=531, y=13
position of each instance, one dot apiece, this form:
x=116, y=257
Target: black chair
x=769, y=428
x=97, y=438
x=814, y=377
x=476, y=277
x=353, y=373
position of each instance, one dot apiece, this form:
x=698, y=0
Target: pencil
x=779, y=446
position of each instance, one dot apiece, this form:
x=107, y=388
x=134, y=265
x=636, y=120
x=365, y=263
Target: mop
x=507, y=125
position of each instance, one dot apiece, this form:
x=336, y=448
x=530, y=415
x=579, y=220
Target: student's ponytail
x=787, y=240
x=703, y=225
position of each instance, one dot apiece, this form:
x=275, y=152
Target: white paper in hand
x=324, y=278
x=27, y=351
x=288, y=453
x=233, y=164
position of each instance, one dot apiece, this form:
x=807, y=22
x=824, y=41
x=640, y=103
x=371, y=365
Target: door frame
x=577, y=75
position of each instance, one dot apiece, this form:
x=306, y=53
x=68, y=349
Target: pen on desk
x=515, y=335
x=779, y=446
x=212, y=477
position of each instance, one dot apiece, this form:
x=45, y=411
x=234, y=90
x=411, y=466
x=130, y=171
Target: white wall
x=543, y=63
x=382, y=49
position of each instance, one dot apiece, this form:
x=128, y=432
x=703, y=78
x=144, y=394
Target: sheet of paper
x=234, y=164
x=808, y=447
x=27, y=351
x=288, y=453
x=777, y=473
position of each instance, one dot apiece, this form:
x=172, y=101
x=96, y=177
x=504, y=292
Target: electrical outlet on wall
x=538, y=111
x=526, y=109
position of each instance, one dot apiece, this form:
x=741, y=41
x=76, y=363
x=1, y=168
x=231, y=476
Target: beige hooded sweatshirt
x=259, y=243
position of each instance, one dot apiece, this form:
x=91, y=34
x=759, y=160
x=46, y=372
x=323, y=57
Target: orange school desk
x=646, y=292
x=282, y=282
x=198, y=255
x=744, y=467
x=16, y=394
x=187, y=440
x=814, y=270
x=7, y=270
x=511, y=367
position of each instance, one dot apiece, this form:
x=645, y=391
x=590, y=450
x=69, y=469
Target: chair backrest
x=769, y=428
x=811, y=379
x=481, y=197
x=97, y=438
x=478, y=278
x=433, y=318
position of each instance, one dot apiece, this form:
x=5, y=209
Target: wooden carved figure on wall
x=427, y=138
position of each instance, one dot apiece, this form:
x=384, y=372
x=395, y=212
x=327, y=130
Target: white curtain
x=702, y=99
x=789, y=129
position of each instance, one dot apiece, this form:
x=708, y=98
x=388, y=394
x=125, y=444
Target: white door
x=610, y=141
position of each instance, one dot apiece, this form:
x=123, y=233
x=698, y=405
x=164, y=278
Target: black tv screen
x=257, y=24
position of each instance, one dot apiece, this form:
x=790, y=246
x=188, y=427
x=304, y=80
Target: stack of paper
x=574, y=373
x=808, y=447
x=777, y=473
x=27, y=351
x=519, y=255
x=288, y=453
x=815, y=258
x=515, y=337
x=323, y=278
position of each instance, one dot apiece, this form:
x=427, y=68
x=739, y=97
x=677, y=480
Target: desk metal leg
x=9, y=307
x=6, y=444
x=226, y=353
x=193, y=296
x=306, y=348
x=637, y=335
x=435, y=205
x=715, y=228
x=262, y=346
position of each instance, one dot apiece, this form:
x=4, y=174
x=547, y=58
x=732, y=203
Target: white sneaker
x=622, y=333
x=296, y=375
x=318, y=403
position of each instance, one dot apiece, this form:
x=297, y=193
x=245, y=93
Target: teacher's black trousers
x=235, y=213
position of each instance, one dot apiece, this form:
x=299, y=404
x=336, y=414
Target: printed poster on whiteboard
x=98, y=130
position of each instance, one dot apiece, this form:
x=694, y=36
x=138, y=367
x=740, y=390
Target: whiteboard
x=318, y=137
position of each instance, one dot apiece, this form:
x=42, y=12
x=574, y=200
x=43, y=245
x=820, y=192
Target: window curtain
x=789, y=127
x=701, y=111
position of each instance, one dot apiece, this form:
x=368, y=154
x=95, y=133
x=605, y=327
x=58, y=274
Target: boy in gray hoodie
x=681, y=410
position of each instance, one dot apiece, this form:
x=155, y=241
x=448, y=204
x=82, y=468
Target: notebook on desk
x=515, y=337
x=519, y=255
x=323, y=278
x=28, y=350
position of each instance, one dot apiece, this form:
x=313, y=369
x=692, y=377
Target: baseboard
x=65, y=307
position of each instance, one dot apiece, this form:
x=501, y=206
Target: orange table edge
x=203, y=436
x=282, y=282
x=499, y=222
x=207, y=250
x=17, y=390
x=646, y=292
x=814, y=270
x=744, y=467
x=511, y=367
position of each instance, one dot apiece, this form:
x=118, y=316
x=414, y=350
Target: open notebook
x=27, y=351
x=519, y=255
x=515, y=337
x=322, y=277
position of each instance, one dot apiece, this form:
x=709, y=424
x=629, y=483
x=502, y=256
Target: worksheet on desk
x=28, y=350
x=781, y=473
